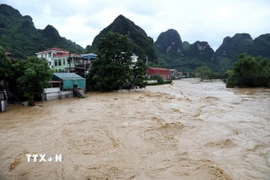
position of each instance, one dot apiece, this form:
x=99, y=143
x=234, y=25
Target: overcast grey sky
x=204, y=20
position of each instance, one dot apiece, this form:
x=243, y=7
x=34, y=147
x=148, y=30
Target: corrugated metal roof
x=68, y=76
x=89, y=56
x=157, y=68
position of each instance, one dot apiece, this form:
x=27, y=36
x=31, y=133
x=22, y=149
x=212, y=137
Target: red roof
x=163, y=72
x=8, y=53
x=66, y=54
x=56, y=82
x=161, y=69
x=53, y=49
x=61, y=55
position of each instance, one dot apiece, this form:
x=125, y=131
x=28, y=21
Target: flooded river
x=187, y=130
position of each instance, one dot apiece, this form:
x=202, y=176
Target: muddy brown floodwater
x=188, y=130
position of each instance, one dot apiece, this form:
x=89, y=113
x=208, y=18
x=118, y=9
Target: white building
x=49, y=53
x=134, y=58
x=58, y=59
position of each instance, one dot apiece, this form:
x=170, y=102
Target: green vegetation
x=169, y=42
x=188, y=57
x=5, y=65
x=184, y=57
x=249, y=71
x=204, y=72
x=19, y=36
x=185, y=45
x=25, y=78
x=185, y=63
x=158, y=80
x=113, y=69
x=143, y=45
x=261, y=46
x=231, y=48
x=35, y=77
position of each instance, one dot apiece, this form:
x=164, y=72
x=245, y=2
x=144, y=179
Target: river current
x=185, y=130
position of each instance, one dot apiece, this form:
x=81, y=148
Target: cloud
x=209, y=20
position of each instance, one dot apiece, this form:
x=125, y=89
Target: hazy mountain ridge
x=19, y=36
x=169, y=42
x=200, y=53
x=261, y=46
x=231, y=47
x=122, y=25
x=173, y=53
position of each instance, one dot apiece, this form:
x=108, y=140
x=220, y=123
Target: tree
x=138, y=75
x=204, y=72
x=34, y=74
x=249, y=71
x=26, y=79
x=113, y=68
x=5, y=65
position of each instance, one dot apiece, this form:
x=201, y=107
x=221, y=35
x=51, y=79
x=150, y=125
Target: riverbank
x=186, y=130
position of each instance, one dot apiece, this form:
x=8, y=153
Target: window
x=55, y=62
x=59, y=62
x=64, y=61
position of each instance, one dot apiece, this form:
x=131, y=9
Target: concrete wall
x=82, y=91
x=3, y=105
x=57, y=95
x=51, y=90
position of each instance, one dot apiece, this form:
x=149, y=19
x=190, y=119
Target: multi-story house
x=59, y=59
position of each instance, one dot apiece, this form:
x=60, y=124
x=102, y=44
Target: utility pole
x=69, y=61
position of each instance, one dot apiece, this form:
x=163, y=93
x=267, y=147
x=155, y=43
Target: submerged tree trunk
x=31, y=101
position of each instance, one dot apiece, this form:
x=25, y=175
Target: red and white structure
x=163, y=72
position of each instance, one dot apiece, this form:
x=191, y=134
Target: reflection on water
x=187, y=130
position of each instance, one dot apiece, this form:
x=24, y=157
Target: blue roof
x=68, y=76
x=89, y=56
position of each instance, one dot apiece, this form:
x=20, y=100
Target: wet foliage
x=113, y=69
x=24, y=79
x=249, y=71
x=19, y=36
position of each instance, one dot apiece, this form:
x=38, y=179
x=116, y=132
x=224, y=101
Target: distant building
x=64, y=85
x=65, y=62
x=89, y=56
x=10, y=56
x=163, y=72
x=59, y=59
x=176, y=74
x=69, y=80
x=82, y=66
x=134, y=58
x=49, y=53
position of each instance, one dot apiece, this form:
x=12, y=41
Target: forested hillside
x=19, y=36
